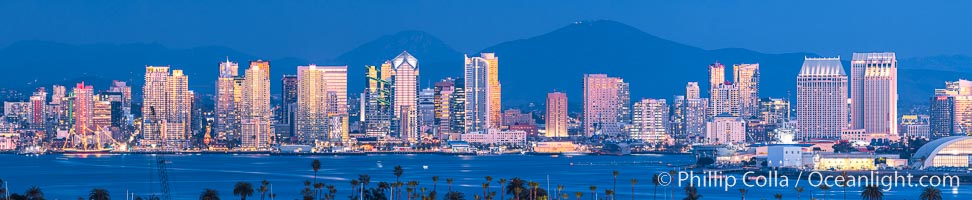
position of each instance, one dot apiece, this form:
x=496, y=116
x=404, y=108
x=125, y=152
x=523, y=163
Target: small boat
x=425, y=167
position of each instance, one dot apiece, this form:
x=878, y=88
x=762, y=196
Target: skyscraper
x=319, y=91
x=874, y=93
x=726, y=100
x=405, y=100
x=83, y=109
x=377, y=114
x=717, y=76
x=602, y=105
x=426, y=112
x=650, y=121
x=255, y=106
x=443, y=95
x=692, y=90
x=556, y=115
x=179, y=106
x=747, y=82
x=166, y=106
x=725, y=129
x=457, y=110
x=493, y=90
x=688, y=118
x=227, y=121
x=941, y=113
x=476, y=76
x=287, y=114
x=821, y=99
x=38, y=113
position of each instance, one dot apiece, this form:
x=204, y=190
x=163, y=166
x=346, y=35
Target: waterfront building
x=517, y=117
x=689, y=114
x=725, y=129
x=166, y=104
x=496, y=137
x=555, y=147
x=287, y=115
x=821, y=99
x=255, y=113
x=476, y=77
x=726, y=100
x=494, y=92
x=946, y=152
x=38, y=111
x=457, y=110
x=556, y=115
x=426, y=112
x=747, y=83
x=717, y=77
x=874, y=93
x=845, y=162
x=405, y=73
x=785, y=155
x=955, y=100
x=941, y=122
x=603, y=103
x=376, y=98
x=649, y=121
x=17, y=113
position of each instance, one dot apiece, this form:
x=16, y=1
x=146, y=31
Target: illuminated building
x=255, y=109
x=747, y=83
x=725, y=129
x=649, y=122
x=947, y=152
x=556, y=115
x=319, y=90
x=603, y=103
x=405, y=73
x=874, y=93
x=227, y=121
x=821, y=99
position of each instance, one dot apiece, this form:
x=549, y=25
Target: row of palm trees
x=517, y=188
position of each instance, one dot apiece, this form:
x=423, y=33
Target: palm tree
x=609, y=194
x=99, y=194
x=872, y=192
x=264, y=187
x=435, y=179
x=502, y=182
x=354, y=186
x=655, y=181
x=578, y=195
x=34, y=193
x=633, y=183
x=931, y=193
x=593, y=190
x=517, y=191
x=692, y=193
x=671, y=187
x=209, y=194
x=319, y=187
x=559, y=189
x=534, y=186
x=398, y=171
x=331, y=191
x=449, y=181
x=615, y=188
x=742, y=193
x=488, y=180
x=824, y=188
x=799, y=191
x=243, y=190
x=778, y=196
x=316, y=165
x=485, y=187
x=564, y=196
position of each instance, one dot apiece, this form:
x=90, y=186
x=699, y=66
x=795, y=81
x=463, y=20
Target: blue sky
x=318, y=30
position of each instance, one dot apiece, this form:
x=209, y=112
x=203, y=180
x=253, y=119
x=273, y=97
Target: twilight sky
x=319, y=30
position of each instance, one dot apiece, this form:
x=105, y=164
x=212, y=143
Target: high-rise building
x=457, y=110
x=515, y=116
x=602, y=105
x=726, y=100
x=166, y=107
x=951, y=105
x=821, y=99
x=405, y=99
x=38, y=109
x=874, y=93
x=725, y=129
x=941, y=113
x=692, y=90
x=556, y=115
x=179, y=106
x=476, y=77
x=774, y=110
x=287, y=115
x=377, y=114
x=443, y=91
x=227, y=120
x=426, y=112
x=747, y=82
x=650, y=121
x=717, y=76
x=688, y=118
x=255, y=109
x=493, y=90
x=83, y=109
x=319, y=90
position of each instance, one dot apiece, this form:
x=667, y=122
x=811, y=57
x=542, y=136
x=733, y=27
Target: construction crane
x=160, y=162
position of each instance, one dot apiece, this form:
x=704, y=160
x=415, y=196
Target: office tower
x=774, y=110
x=287, y=115
x=166, y=104
x=101, y=114
x=121, y=103
x=457, y=110
x=255, y=106
x=58, y=115
x=319, y=109
x=688, y=118
x=556, y=115
x=443, y=96
x=227, y=122
x=602, y=105
x=58, y=93
x=717, y=76
x=377, y=114
x=119, y=115
x=649, y=121
x=874, y=93
x=405, y=99
x=476, y=75
x=692, y=90
x=426, y=111
x=493, y=90
x=624, y=98
x=747, y=82
x=38, y=113
x=125, y=91
x=821, y=99
x=83, y=109
x=725, y=129
x=726, y=100
x=941, y=113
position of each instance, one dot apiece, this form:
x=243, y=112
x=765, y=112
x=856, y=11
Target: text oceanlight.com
x=885, y=180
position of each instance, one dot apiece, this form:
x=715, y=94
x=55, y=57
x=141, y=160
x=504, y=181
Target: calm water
x=72, y=176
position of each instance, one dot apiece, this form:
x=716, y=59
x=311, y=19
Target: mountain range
x=529, y=67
